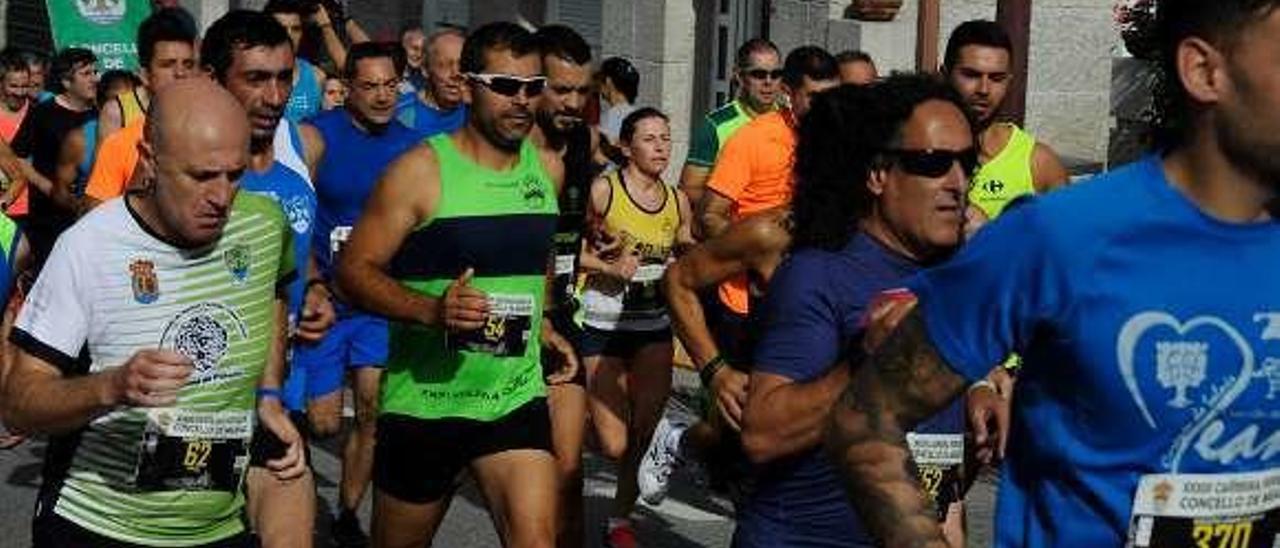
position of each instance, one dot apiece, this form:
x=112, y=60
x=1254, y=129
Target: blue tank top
x=353, y=161
x=306, y=99
x=85, y=167
x=298, y=201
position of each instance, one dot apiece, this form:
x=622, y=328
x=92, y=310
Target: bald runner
x=145, y=382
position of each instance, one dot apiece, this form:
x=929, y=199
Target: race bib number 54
x=1239, y=510
x=506, y=330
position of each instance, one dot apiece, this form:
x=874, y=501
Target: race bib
x=642, y=294
x=337, y=239
x=939, y=458
x=1240, y=510
x=506, y=330
x=565, y=264
x=649, y=273
x=183, y=450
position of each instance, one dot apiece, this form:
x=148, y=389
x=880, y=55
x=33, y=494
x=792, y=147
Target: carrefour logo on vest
x=102, y=12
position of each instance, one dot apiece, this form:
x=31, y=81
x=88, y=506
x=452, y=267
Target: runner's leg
x=610, y=410
x=568, y=406
x=357, y=452
x=649, y=386
x=402, y=524
x=520, y=487
x=282, y=513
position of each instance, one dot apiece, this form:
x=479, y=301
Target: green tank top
x=1006, y=176
x=501, y=224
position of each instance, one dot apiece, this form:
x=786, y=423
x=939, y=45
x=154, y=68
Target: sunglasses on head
x=761, y=74
x=508, y=85
x=933, y=162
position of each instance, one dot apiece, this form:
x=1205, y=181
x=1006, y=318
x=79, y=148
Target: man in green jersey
x=758, y=73
x=455, y=248
x=1013, y=164
x=141, y=347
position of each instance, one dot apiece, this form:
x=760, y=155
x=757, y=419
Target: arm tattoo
x=902, y=383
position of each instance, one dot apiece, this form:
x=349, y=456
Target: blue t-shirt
x=1149, y=333
x=427, y=121
x=352, y=164
x=307, y=97
x=813, y=314
x=298, y=201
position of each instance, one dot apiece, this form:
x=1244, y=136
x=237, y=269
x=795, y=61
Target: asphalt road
x=691, y=516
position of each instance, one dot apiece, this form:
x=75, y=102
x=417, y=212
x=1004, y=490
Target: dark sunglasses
x=508, y=85
x=761, y=74
x=934, y=163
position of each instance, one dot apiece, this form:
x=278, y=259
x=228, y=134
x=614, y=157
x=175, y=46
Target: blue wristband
x=264, y=393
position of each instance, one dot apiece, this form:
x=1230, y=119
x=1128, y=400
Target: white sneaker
x=660, y=459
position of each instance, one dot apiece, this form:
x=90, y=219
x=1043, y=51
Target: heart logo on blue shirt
x=1181, y=366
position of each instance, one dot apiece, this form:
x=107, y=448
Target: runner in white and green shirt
x=142, y=345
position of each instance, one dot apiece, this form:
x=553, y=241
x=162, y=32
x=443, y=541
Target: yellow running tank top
x=636, y=305
x=1006, y=176
x=131, y=107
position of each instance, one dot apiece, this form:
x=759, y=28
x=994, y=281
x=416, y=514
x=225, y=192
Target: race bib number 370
x=1239, y=510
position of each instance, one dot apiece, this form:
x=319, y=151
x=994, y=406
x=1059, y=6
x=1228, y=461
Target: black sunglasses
x=761, y=74
x=934, y=163
x=508, y=85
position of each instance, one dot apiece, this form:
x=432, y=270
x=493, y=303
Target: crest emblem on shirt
x=102, y=12
x=534, y=196
x=237, y=259
x=1161, y=493
x=146, y=287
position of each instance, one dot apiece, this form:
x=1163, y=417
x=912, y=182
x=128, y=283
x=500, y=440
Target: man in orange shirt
x=753, y=172
x=166, y=49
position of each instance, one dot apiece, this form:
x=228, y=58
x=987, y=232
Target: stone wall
x=658, y=37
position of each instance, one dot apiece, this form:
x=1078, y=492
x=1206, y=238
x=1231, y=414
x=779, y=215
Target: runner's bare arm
x=693, y=181
x=67, y=168
x=274, y=372
x=15, y=169
x=684, y=234
x=590, y=260
x=404, y=196
x=745, y=247
x=110, y=120
x=271, y=412
x=332, y=42
x=784, y=417
x=1047, y=170
x=37, y=398
x=714, y=214
x=903, y=382
x=312, y=146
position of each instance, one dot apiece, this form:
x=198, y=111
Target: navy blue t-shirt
x=813, y=312
x=1150, y=337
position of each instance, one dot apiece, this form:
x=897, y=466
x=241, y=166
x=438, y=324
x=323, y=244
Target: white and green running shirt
x=163, y=476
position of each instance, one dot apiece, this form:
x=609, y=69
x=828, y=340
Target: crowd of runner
x=891, y=296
